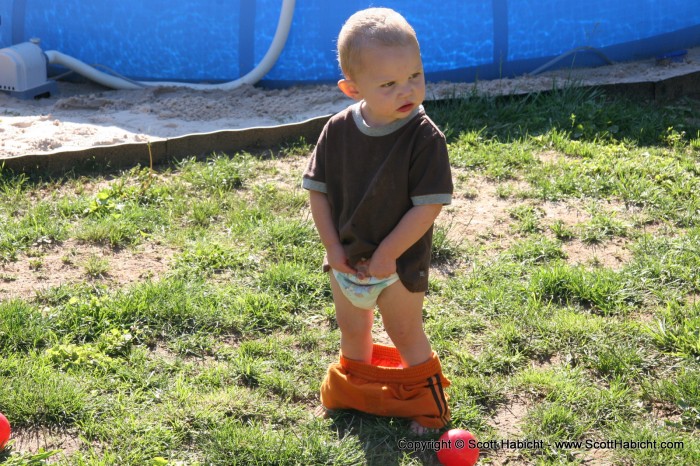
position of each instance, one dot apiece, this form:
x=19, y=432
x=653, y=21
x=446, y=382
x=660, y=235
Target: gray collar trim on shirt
x=381, y=130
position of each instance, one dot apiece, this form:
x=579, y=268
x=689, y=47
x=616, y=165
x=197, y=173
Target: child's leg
x=402, y=315
x=355, y=326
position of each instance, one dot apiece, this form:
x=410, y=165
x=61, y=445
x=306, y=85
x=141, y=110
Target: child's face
x=390, y=80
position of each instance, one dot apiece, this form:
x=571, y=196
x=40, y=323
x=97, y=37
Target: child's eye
x=389, y=84
x=415, y=75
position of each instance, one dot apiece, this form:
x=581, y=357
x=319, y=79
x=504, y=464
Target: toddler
x=377, y=179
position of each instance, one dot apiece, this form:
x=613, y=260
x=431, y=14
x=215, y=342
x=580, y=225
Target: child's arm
x=321, y=213
x=410, y=229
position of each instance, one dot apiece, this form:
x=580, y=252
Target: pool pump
x=23, y=71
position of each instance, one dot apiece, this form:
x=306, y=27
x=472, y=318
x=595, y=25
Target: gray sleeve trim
x=313, y=185
x=444, y=199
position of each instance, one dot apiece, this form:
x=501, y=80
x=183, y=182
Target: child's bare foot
x=322, y=412
x=421, y=430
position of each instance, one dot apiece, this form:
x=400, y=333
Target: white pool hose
x=265, y=65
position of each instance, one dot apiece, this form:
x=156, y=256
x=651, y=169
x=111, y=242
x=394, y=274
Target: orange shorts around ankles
x=385, y=388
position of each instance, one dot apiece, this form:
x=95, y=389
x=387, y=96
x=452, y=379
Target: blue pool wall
x=461, y=40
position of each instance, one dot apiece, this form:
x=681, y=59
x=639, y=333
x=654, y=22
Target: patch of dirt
x=53, y=265
x=287, y=171
x=547, y=363
x=479, y=216
x=599, y=457
x=476, y=218
x=612, y=254
x=569, y=212
x=34, y=440
x=507, y=421
x=379, y=335
x=692, y=299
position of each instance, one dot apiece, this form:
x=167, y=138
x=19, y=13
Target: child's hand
x=381, y=266
x=337, y=260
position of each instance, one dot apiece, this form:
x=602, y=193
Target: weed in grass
x=36, y=264
x=219, y=174
x=676, y=330
x=554, y=421
x=667, y=263
x=23, y=328
x=67, y=259
x=294, y=283
x=70, y=356
x=673, y=138
x=695, y=142
x=248, y=369
x=601, y=227
x=296, y=148
x=290, y=240
x=536, y=249
x=204, y=212
x=504, y=190
x=270, y=197
x=561, y=231
x=106, y=202
x=261, y=312
x=96, y=266
x=622, y=360
x=7, y=278
x=483, y=391
x=14, y=458
x=37, y=223
x=527, y=218
x=110, y=231
x=444, y=247
x=197, y=345
x=679, y=392
x=204, y=258
x=600, y=290
x=34, y=393
x=690, y=416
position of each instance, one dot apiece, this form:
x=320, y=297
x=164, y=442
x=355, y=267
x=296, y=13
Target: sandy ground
x=87, y=115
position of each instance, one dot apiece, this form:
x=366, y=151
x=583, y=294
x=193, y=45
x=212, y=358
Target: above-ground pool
x=461, y=40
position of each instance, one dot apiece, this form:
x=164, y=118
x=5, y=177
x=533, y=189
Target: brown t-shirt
x=373, y=176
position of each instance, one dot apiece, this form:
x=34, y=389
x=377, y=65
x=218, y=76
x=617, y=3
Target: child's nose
x=405, y=89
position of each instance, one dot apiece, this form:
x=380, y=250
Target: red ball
x=5, y=431
x=458, y=448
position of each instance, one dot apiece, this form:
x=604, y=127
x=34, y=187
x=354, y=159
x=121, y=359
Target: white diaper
x=363, y=293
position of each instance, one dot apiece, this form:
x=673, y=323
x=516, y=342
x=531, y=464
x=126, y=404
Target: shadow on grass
x=386, y=441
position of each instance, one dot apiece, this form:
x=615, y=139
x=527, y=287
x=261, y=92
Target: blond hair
x=373, y=26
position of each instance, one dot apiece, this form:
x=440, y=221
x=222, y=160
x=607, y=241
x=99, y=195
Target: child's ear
x=349, y=88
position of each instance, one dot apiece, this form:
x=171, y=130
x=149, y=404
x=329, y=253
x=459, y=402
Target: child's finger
x=344, y=267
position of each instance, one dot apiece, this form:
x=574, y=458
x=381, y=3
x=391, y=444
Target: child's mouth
x=405, y=108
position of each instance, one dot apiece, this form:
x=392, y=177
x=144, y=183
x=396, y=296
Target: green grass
x=218, y=358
